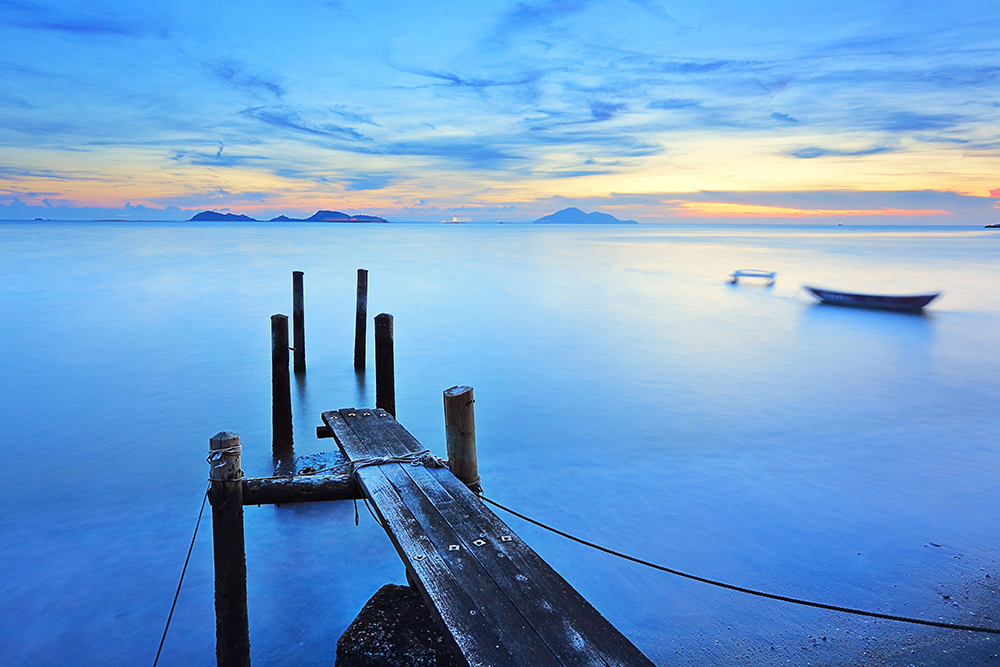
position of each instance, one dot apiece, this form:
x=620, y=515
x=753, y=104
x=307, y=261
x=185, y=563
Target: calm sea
x=625, y=393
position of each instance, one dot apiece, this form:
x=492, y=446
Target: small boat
x=884, y=302
x=752, y=273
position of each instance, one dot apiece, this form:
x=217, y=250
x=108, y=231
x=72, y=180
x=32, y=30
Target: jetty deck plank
x=502, y=603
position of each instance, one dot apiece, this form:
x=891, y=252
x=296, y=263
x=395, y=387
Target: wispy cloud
x=79, y=20
x=601, y=110
x=460, y=81
x=784, y=117
x=289, y=119
x=482, y=155
x=355, y=116
x=913, y=121
x=811, y=152
x=368, y=181
x=234, y=73
x=674, y=103
x=19, y=173
x=656, y=10
x=529, y=15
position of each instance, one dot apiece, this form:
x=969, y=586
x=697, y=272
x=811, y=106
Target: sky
x=658, y=111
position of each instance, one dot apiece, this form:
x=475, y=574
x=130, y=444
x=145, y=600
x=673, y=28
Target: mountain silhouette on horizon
x=216, y=216
x=575, y=216
x=318, y=216
x=337, y=216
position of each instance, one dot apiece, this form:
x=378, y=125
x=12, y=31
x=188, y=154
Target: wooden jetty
x=500, y=602
x=497, y=600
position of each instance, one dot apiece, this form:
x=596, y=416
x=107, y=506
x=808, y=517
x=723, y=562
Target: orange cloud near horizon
x=735, y=210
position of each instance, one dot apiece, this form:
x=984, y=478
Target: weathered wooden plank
x=299, y=489
x=501, y=560
x=454, y=608
x=499, y=611
x=569, y=625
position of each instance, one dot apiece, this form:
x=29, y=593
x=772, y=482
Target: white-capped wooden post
x=232, y=629
x=460, y=434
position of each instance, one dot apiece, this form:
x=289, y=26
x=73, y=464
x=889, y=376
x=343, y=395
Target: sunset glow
x=502, y=111
x=722, y=209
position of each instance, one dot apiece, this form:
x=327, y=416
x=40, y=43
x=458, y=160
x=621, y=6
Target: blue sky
x=502, y=110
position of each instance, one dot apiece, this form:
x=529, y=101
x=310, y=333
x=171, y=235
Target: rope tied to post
x=217, y=454
x=424, y=457
x=419, y=458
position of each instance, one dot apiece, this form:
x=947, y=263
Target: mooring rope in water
x=179, y=583
x=741, y=589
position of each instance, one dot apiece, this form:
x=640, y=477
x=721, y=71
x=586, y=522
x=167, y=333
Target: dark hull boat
x=910, y=302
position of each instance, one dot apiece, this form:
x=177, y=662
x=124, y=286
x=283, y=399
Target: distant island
x=332, y=216
x=214, y=216
x=318, y=216
x=996, y=226
x=573, y=215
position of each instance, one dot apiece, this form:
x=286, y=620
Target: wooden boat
x=752, y=273
x=885, y=302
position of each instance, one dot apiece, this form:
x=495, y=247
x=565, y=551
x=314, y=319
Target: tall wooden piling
x=460, y=435
x=281, y=390
x=385, y=381
x=298, y=323
x=232, y=629
x=361, y=321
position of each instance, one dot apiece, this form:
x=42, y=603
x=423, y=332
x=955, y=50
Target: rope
x=748, y=591
x=216, y=454
x=419, y=458
x=183, y=571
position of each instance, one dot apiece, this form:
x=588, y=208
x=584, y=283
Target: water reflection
x=362, y=393
x=832, y=321
x=624, y=395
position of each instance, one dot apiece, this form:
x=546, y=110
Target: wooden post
x=232, y=628
x=385, y=381
x=460, y=434
x=361, y=321
x=281, y=391
x=298, y=323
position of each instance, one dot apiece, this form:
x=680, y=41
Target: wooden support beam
x=232, y=629
x=298, y=323
x=460, y=435
x=361, y=321
x=299, y=489
x=385, y=380
x=281, y=390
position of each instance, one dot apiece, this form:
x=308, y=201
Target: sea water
x=626, y=393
